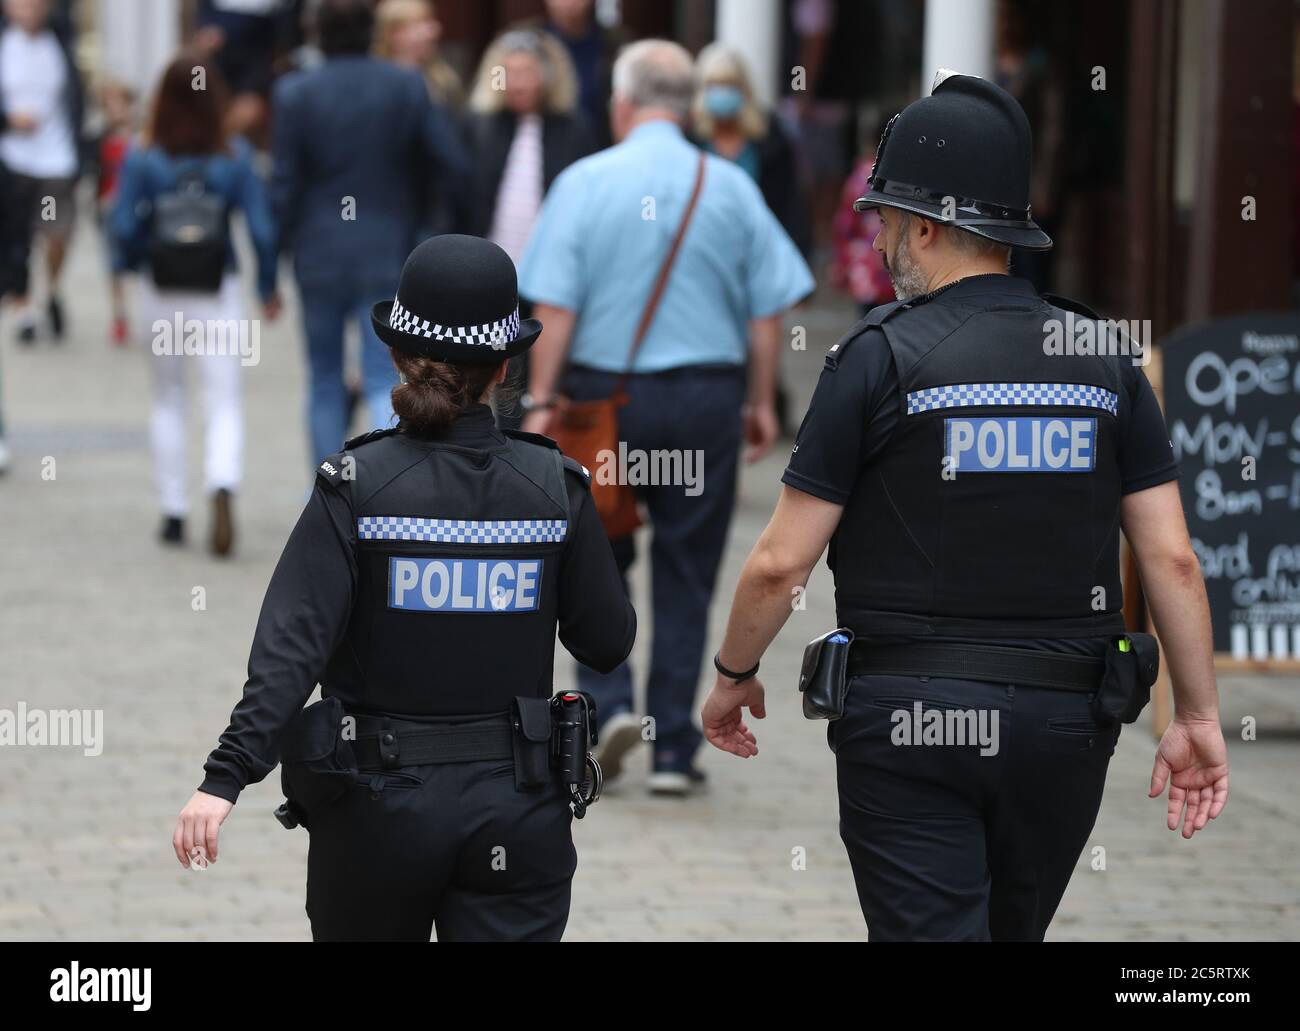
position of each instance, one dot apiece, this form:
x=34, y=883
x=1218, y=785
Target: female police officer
x=422, y=588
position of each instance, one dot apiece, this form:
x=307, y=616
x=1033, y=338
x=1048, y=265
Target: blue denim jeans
x=695, y=408
x=325, y=310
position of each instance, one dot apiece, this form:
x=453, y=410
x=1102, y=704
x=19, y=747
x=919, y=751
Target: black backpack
x=187, y=246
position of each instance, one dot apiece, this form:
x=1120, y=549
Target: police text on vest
x=464, y=584
x=1020, y=444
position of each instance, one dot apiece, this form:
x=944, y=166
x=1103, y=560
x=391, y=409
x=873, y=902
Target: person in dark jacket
x=525, y=128
x=15, y=240
x=437, y=806
x=592, y=48
x=357, y=143
x=524, y=131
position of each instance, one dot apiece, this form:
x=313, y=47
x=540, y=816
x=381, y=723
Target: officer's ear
x=499, y=376
x=927, y=231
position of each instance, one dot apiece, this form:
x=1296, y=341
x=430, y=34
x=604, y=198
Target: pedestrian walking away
x=171, y=222
x=423, y=588
x=661, y=276
x=971, y=482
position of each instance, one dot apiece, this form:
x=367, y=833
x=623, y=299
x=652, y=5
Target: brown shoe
x=223, y=523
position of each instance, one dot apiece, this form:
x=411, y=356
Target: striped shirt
x=519, y=198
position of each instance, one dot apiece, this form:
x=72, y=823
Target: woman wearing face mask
x=729, y=122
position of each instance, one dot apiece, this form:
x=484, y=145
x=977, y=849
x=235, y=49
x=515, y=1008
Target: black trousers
x=946, y=843
x=453, y=846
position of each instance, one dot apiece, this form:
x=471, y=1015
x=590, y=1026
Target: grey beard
x=905, y=275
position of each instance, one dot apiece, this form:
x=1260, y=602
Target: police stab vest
x=994, y=510
x=458, y=555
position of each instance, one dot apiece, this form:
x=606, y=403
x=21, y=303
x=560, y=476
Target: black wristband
x=739, y=678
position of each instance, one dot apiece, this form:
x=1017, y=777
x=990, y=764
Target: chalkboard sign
x=1232, y=403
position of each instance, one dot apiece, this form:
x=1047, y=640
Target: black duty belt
x=977, y=662
x=386, y=743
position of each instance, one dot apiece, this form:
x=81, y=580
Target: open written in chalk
x=1232, y=403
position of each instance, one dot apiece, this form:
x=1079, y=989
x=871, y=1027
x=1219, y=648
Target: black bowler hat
x=965, y=148
x=457, y=301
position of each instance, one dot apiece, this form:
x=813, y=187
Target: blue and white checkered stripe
x=489, y=334
x=969, y=395
x=462, y=531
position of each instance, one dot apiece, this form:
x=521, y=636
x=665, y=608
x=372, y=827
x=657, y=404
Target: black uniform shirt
x=308, y=606
x=855, y=409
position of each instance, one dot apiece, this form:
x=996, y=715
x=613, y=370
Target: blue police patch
x=1020, y=444
x=464, y=584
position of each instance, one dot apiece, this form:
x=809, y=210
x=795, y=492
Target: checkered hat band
x=969, y=395
x=462, y=531
x=489, y=334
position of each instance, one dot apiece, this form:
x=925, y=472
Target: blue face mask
x=723, y=101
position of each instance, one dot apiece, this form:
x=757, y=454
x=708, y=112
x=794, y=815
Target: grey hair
x=970, y=245
x=656, y=73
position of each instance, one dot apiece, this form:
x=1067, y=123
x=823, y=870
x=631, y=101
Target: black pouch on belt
x=824, y=677
x=531, y=723
x=317, y=764
x=1132, y=663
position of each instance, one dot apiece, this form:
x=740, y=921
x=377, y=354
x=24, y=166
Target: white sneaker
x=4, y=456
x=618, y=736
x=675, y=784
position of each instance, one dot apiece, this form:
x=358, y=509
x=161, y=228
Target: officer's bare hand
x=197, y=828
x=1193, y=760
x=762, y=427
x=723, y=711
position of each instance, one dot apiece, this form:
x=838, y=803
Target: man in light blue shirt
x=705, y=370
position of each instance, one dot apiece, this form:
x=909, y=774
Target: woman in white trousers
x=217, y=369
x=192, y=314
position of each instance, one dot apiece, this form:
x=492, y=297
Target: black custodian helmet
x=960, y=156
x=457, y=301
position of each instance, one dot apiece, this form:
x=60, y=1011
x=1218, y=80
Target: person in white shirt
x=40, y=117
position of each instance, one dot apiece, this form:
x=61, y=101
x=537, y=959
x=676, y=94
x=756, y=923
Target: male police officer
x=972, y=479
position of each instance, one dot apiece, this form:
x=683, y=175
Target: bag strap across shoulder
x=665, y=270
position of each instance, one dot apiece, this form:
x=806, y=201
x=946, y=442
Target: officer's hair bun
x=433, y=393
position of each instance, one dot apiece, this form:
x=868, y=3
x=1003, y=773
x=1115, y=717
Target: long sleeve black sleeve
x=303, y=618
x=597, y=621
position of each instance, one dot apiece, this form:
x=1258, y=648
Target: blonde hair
x=559, y=81
x=390, y=17
x=718, y=64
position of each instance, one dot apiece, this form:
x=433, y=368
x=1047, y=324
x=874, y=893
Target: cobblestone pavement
x=95, y=615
